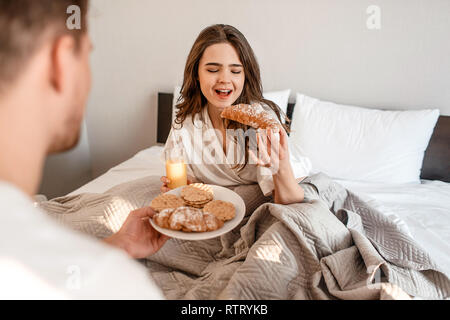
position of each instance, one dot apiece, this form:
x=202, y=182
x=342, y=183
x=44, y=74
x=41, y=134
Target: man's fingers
x=162, y=239
x=146, y=212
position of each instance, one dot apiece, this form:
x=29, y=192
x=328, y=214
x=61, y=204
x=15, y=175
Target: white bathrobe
x=207, y=162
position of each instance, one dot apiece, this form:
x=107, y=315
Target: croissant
x=187, y=219
x=252, y=115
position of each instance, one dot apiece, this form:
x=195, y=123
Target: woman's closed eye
x=216, y=70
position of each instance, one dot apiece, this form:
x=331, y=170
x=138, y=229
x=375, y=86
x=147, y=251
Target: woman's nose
x=224, y=77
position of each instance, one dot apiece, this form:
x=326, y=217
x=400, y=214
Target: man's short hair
x=24, y=24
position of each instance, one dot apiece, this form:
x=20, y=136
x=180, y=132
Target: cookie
x=166, y=201
x=197, y=193
x=221, y=209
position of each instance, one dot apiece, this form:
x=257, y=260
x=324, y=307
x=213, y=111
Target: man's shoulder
x=13, y=199
x=54, y=255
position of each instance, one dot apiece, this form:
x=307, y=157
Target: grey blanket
x=331, y=246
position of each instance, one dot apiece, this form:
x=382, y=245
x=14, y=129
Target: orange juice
x=176, y=172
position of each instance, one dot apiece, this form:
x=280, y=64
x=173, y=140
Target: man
x=44, y=84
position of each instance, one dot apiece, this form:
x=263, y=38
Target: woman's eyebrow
x=219, y=64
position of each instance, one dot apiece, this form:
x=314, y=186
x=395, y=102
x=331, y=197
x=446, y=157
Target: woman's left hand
x=272, y=150
x=274, y=154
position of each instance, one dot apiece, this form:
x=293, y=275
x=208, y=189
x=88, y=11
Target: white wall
x=319, y=47
x=67, y=171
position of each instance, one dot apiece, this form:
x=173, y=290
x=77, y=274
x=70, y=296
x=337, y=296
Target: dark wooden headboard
x=436, y=163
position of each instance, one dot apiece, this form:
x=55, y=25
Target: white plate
x=220, y=193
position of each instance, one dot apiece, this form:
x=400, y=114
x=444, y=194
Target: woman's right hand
x=165, y=181
x=165, y=187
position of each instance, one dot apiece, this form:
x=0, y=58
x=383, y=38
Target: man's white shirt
x=41, y=259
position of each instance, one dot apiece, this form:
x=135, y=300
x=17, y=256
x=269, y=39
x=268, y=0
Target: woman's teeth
x=223, y=92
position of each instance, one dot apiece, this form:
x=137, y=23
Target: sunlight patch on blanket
x=118, y=204
x=269, y=251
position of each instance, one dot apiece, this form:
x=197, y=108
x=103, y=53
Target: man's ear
x=61, y=62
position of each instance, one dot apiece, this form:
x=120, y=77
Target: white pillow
x=281, y=98
x=348, y=142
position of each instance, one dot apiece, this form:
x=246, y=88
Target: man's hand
x=137, y=236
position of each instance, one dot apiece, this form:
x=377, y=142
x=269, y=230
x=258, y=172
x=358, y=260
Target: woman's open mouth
x=223, y=94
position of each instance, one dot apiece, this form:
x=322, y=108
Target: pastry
x=252, y=115
x=187, y=219
x=212, y=223
x=162, y=218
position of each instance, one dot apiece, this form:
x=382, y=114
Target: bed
x=421, y=210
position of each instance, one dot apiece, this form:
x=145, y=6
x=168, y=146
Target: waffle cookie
x=197, y=195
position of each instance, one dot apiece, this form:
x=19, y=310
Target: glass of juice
x=176, y=167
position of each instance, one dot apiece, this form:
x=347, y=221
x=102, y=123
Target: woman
x=222, y=70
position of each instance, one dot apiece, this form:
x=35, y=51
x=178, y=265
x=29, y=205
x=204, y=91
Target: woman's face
x=221, y=75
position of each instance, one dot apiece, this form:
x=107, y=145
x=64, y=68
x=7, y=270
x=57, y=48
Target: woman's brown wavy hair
x=192, y=101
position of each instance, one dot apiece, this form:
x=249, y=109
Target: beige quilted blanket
x=332, y=246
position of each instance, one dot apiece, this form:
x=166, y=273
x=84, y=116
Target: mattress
x=422, y=210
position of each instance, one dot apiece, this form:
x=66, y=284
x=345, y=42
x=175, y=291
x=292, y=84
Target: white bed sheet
x=145, y=163
x=423, y=210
